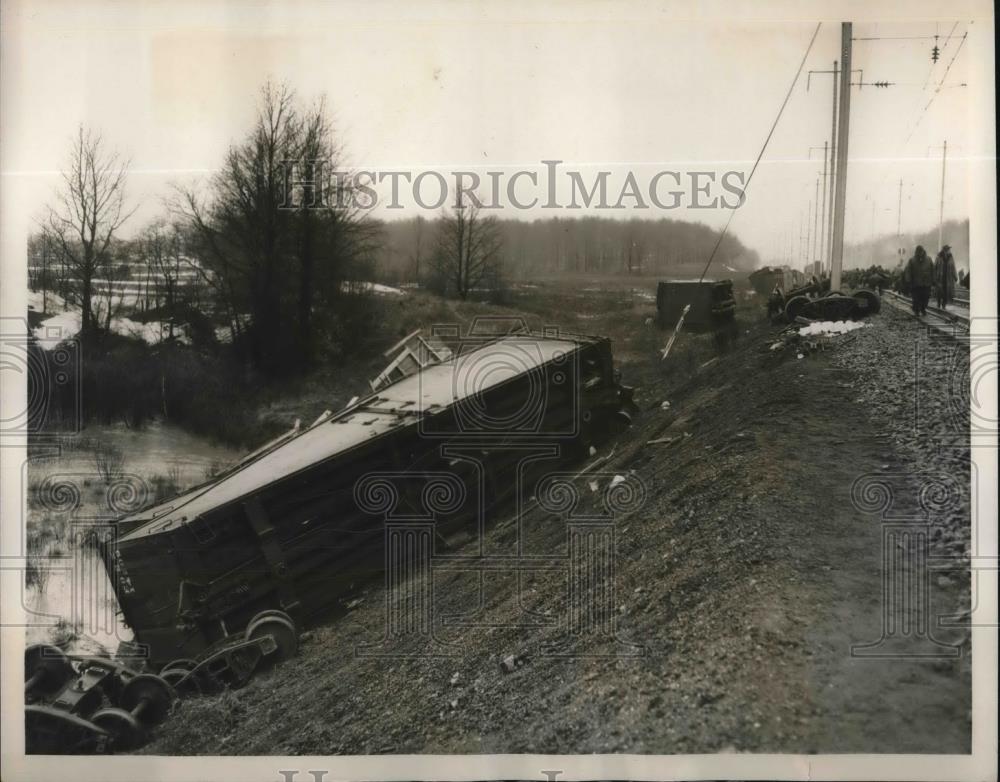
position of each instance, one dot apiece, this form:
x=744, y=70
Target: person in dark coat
x=919, y=275
x=944, y=276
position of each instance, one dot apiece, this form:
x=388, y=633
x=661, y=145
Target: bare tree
x=42, y=266
x=90, y=209
x=162, y=248
x=113, y=269
x=417, y=255
x=272, y=250
x=468, y=245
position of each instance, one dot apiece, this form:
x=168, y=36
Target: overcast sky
x=505, y=86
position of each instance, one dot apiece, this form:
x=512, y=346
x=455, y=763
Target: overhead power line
x=896, y=38
x=938, y=88
x=916, y=114
x=777, y=119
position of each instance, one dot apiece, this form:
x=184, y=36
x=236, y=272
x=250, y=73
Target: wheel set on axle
x=82, y=705
x=270, y=637
x=833, y=306
x=78, y=705
x=145, y=702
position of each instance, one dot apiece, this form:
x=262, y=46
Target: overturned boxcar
x=711, y=303
x=283, y=530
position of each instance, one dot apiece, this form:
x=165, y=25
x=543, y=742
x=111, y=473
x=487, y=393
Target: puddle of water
x=72, y=601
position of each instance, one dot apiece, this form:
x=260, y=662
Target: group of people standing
x=922, y=275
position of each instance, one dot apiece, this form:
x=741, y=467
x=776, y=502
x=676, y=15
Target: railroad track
x=939, y=319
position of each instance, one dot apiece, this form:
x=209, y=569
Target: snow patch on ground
x=59, y=327
x=830, y=327
x=151, y=333
x=51, y=301
x=67, y=324
x=373, y=287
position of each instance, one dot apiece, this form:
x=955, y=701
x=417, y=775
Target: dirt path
x=745, y=577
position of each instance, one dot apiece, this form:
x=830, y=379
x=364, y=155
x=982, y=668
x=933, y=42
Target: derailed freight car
x=710, y=303
x=283, y=530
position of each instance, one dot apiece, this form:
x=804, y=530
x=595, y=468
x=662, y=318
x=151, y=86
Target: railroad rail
x=936, y=318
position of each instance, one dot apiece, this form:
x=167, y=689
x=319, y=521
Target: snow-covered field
x=65, y=324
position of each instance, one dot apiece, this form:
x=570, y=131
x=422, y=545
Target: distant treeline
x=580, y=245
x=885, y=250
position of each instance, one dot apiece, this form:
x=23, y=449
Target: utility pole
x=871, y=241
x=899, y=212
x=944, y=159
x=815, y=250
x=819, y=232
x=821, y=257
x=843, y=131
x=833, y=167
x=809, y=220
x=802, y=236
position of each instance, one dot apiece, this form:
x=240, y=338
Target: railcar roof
x=401, y=404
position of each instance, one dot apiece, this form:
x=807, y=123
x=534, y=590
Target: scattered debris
x=663, y=440
x=323, y=416
x=664, y=405
x=411, y=354
x=677, y=330
x=512, y=662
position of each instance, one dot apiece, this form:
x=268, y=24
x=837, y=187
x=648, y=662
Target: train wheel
x=50, y=731
x=280, y=627
x=183, y=681
x=796, y=306
x=148, y=698
x=46, y=670
x=272, y=612
x=620, y=421
x=183, y=664
x=836, y=306
x=868, y=303
x=125, y=730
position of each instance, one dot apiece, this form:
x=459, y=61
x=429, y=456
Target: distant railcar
x=766, y=279
x=283, y=530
